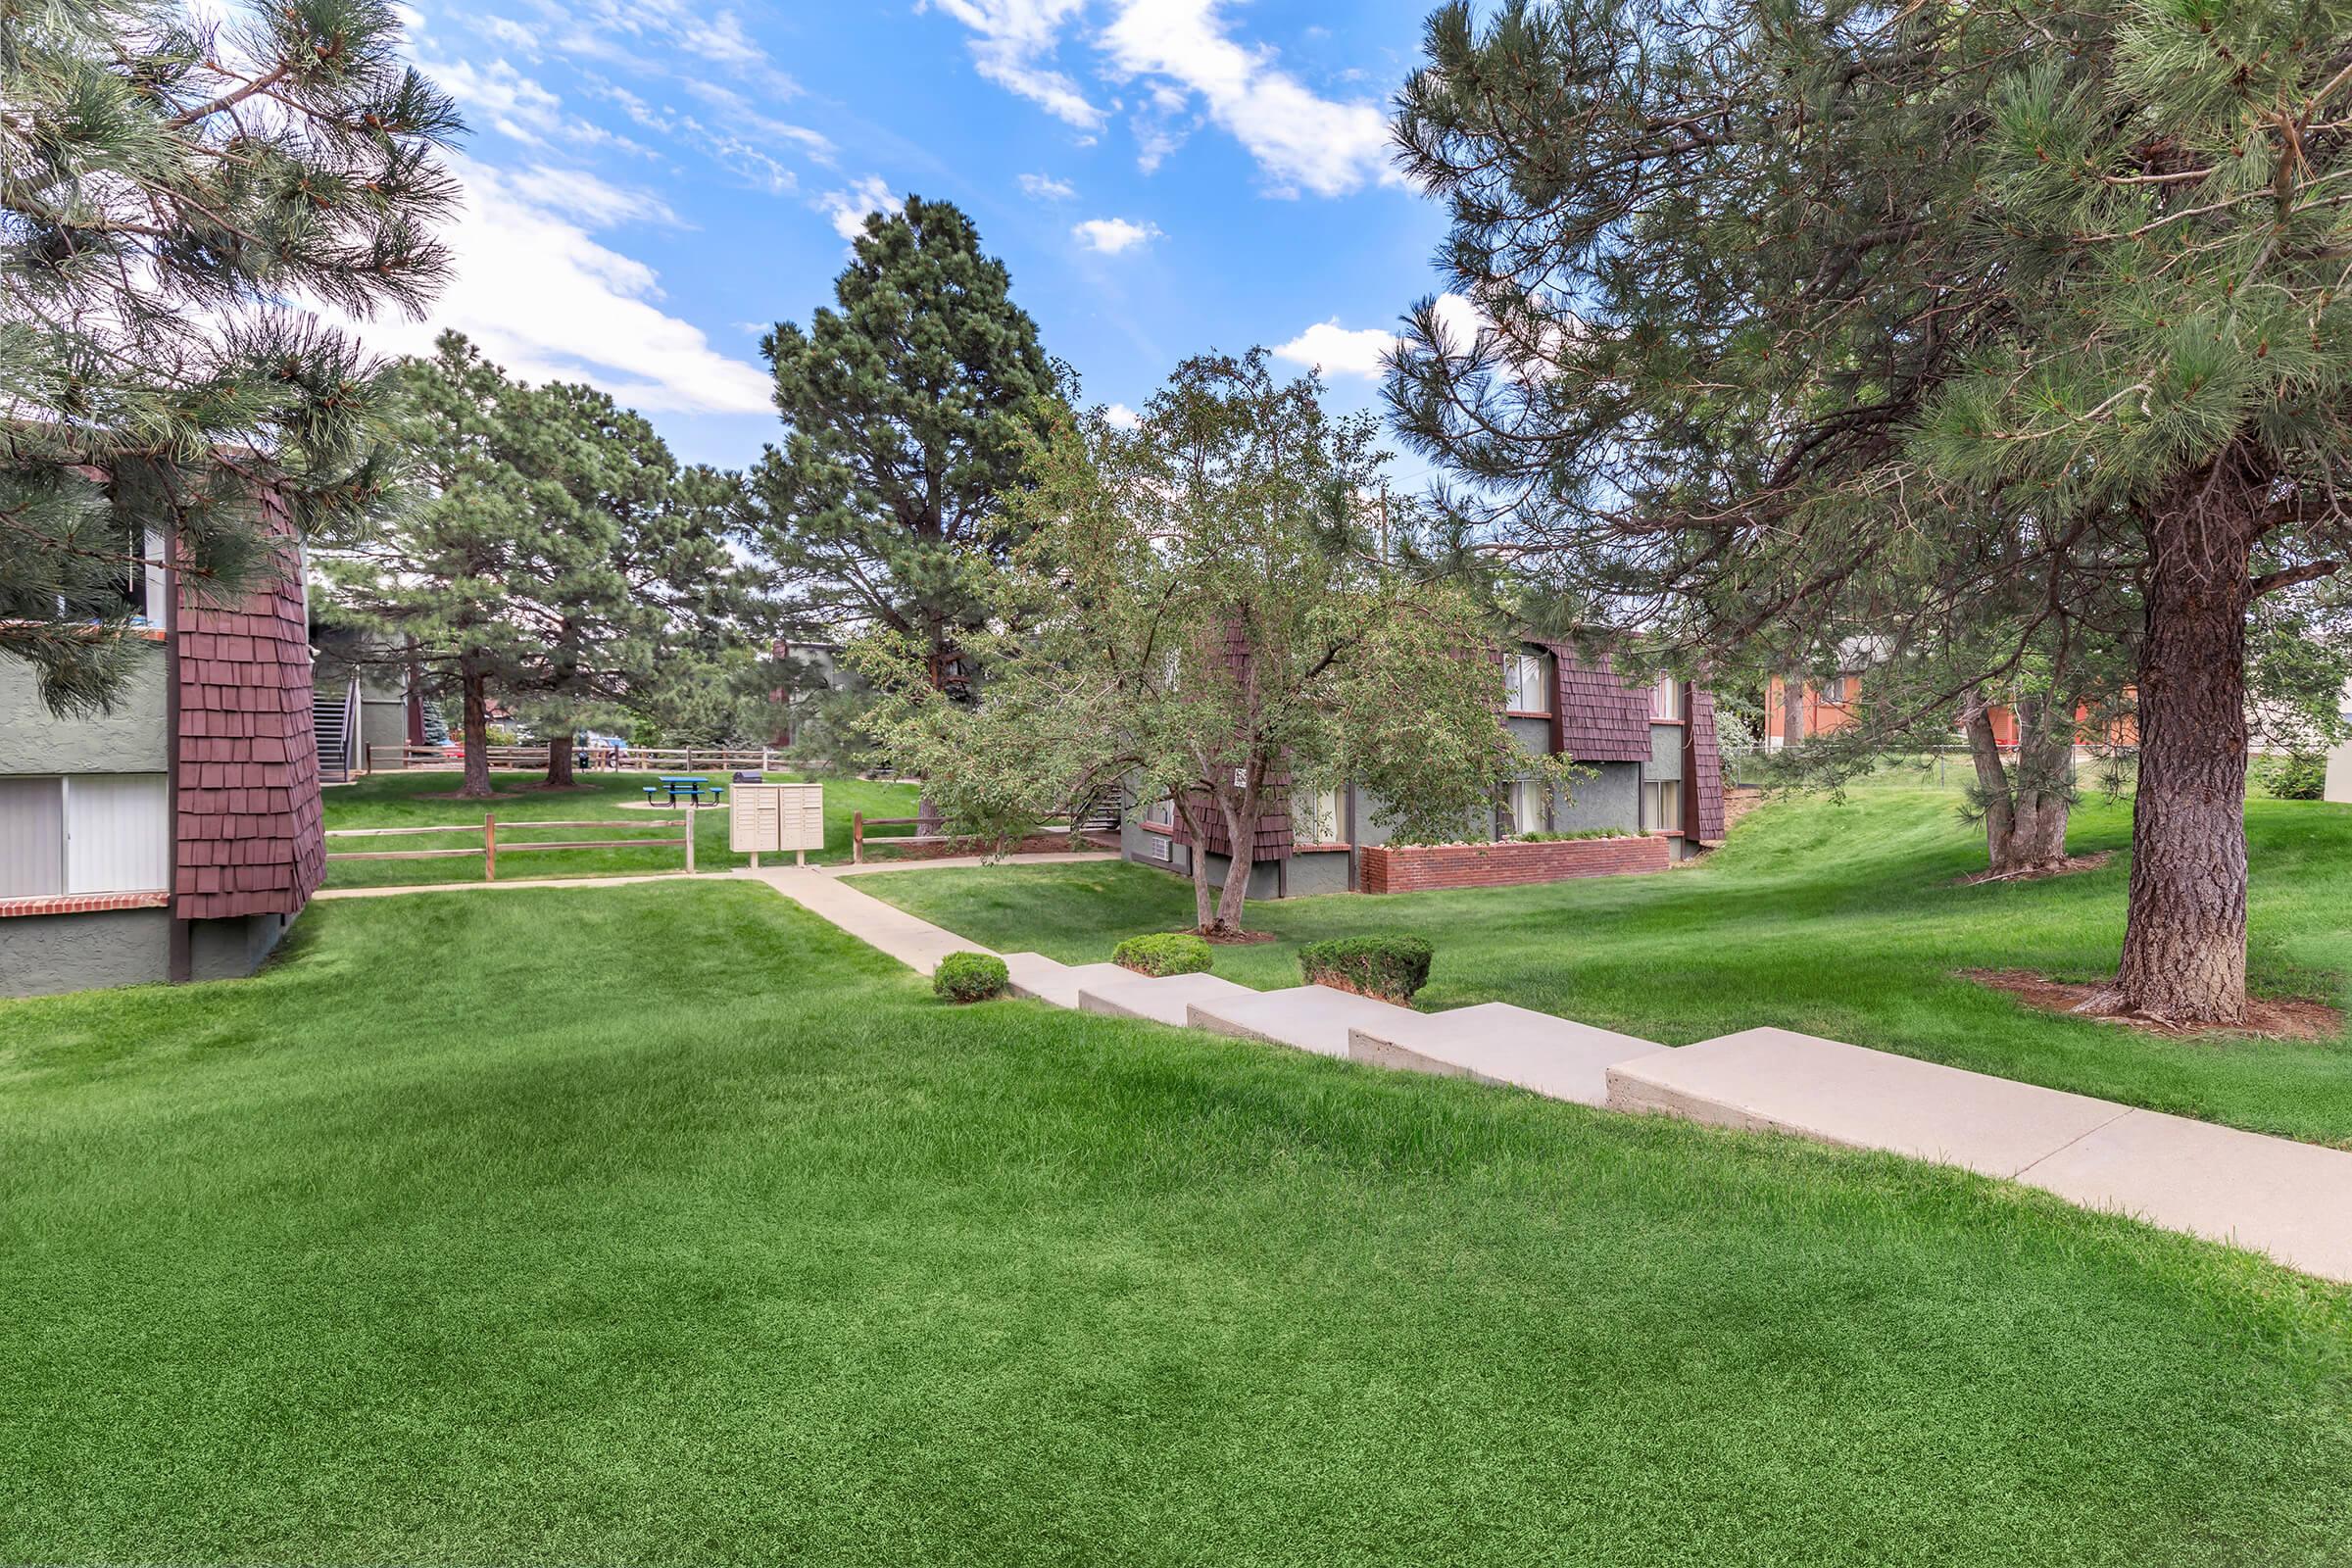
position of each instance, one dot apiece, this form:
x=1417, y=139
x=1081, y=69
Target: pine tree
x=626, y=565
x=904, y=411
x=435, y=582
x=1784, y=300
x=561, y=555
x=170, y=188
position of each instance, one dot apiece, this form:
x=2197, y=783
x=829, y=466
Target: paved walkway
x=2290, y=1199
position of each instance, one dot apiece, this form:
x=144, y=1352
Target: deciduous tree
x=1198, y=609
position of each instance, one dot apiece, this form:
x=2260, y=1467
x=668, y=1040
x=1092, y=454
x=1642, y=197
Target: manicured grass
x=515, y=1227
x=1836, y=920
x=420, y=800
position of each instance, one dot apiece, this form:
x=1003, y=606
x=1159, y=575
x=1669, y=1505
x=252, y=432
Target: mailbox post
x=770, y=819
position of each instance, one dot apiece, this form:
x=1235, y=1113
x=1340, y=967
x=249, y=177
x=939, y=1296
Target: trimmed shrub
x=1164, y=953
x=1390, y=968
x=2296, y=776
x=1579, y=833
x=969, y=977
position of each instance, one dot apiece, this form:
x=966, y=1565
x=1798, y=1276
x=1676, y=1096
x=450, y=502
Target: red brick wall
x=1417, y=868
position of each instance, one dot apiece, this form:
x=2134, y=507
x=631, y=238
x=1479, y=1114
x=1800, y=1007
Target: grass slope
x=511, y=1227
x=420, y=800
x=1836, y=920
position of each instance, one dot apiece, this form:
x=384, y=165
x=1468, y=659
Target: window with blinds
x=85, y=833
x=1662, y=806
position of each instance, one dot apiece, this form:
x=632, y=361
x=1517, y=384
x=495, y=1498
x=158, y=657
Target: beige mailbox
x=770, y=819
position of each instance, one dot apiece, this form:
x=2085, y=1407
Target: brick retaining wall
x=1421, y=867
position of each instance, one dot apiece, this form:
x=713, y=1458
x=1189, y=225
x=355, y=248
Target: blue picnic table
x=692, y=785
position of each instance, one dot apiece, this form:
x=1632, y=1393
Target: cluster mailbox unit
x=770, y=819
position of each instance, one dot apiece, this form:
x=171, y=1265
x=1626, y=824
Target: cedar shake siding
x=176, y=837
x=1602, y=718
x=1702, y=768
x=249, y=830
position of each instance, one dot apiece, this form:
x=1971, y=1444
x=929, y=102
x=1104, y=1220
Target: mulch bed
x=2066, y=867
x=2265, y=1018
x=1237, y=939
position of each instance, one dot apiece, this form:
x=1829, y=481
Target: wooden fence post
x=857, y=838
x=489, y=847
x=690, y=832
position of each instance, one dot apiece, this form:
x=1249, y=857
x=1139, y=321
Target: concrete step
x=1315, y=1018
x=2292, y=1200
x=1033, y=974
x=1779, y=1080
x=1496, y=1043
x=1162, y=998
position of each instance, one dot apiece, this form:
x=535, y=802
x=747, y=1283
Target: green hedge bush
x=1580, y=833
x=2296, y=776
x=1390, y=968
x=969, y=977
x=1164, y=953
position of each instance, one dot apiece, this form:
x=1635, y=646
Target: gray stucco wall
x=1665, y=751
x=383, y=721
x=230, y=949
x=1608, y=795
x=42, y=955
x=130, y=739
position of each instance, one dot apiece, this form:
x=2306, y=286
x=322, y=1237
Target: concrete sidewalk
x=2290, y=1199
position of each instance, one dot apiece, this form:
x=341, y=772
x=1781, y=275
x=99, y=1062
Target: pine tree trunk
x=2184, y=940
x=558, y=762
x=476, y=721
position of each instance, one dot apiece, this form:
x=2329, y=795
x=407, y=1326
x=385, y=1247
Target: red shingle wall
x=1421, y=867
x=1272, y=840
x=1704, y=758
x=1602, y=719
x=248, y=814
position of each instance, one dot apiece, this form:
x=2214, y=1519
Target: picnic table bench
x=692, y=786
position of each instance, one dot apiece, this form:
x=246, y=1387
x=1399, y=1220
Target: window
x=96, y=833
x=1526, y=684
x=1662, y=806
x=1837, y=690
x=1666, y=701
x=1161, y=814
x=1315, y=817
x=1524, y=807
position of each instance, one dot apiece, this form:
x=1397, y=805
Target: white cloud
x=1122, y=418
x=1335, y=350
x=1014, y=47
x=849, y=207
x=519, y=106
x=1110, y=235
x=513, y=34
x=579, y=194
x=1045, y=189
x=545, y=300
x=1300, y=139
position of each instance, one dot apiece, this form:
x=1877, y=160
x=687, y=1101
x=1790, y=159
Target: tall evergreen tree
x=561, y=555
x=168, y=187
x=1781, y=296
x=905, y=411
x=433, y=584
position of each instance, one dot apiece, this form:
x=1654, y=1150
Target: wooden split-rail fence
x=490, y=848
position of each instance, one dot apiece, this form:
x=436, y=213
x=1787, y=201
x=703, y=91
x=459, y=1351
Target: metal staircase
x=334, y=725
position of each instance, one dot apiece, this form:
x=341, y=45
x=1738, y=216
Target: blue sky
x=653, y=182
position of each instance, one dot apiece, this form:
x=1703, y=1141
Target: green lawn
x=510, y=1227
x=1836, y=920
x=420, y=800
